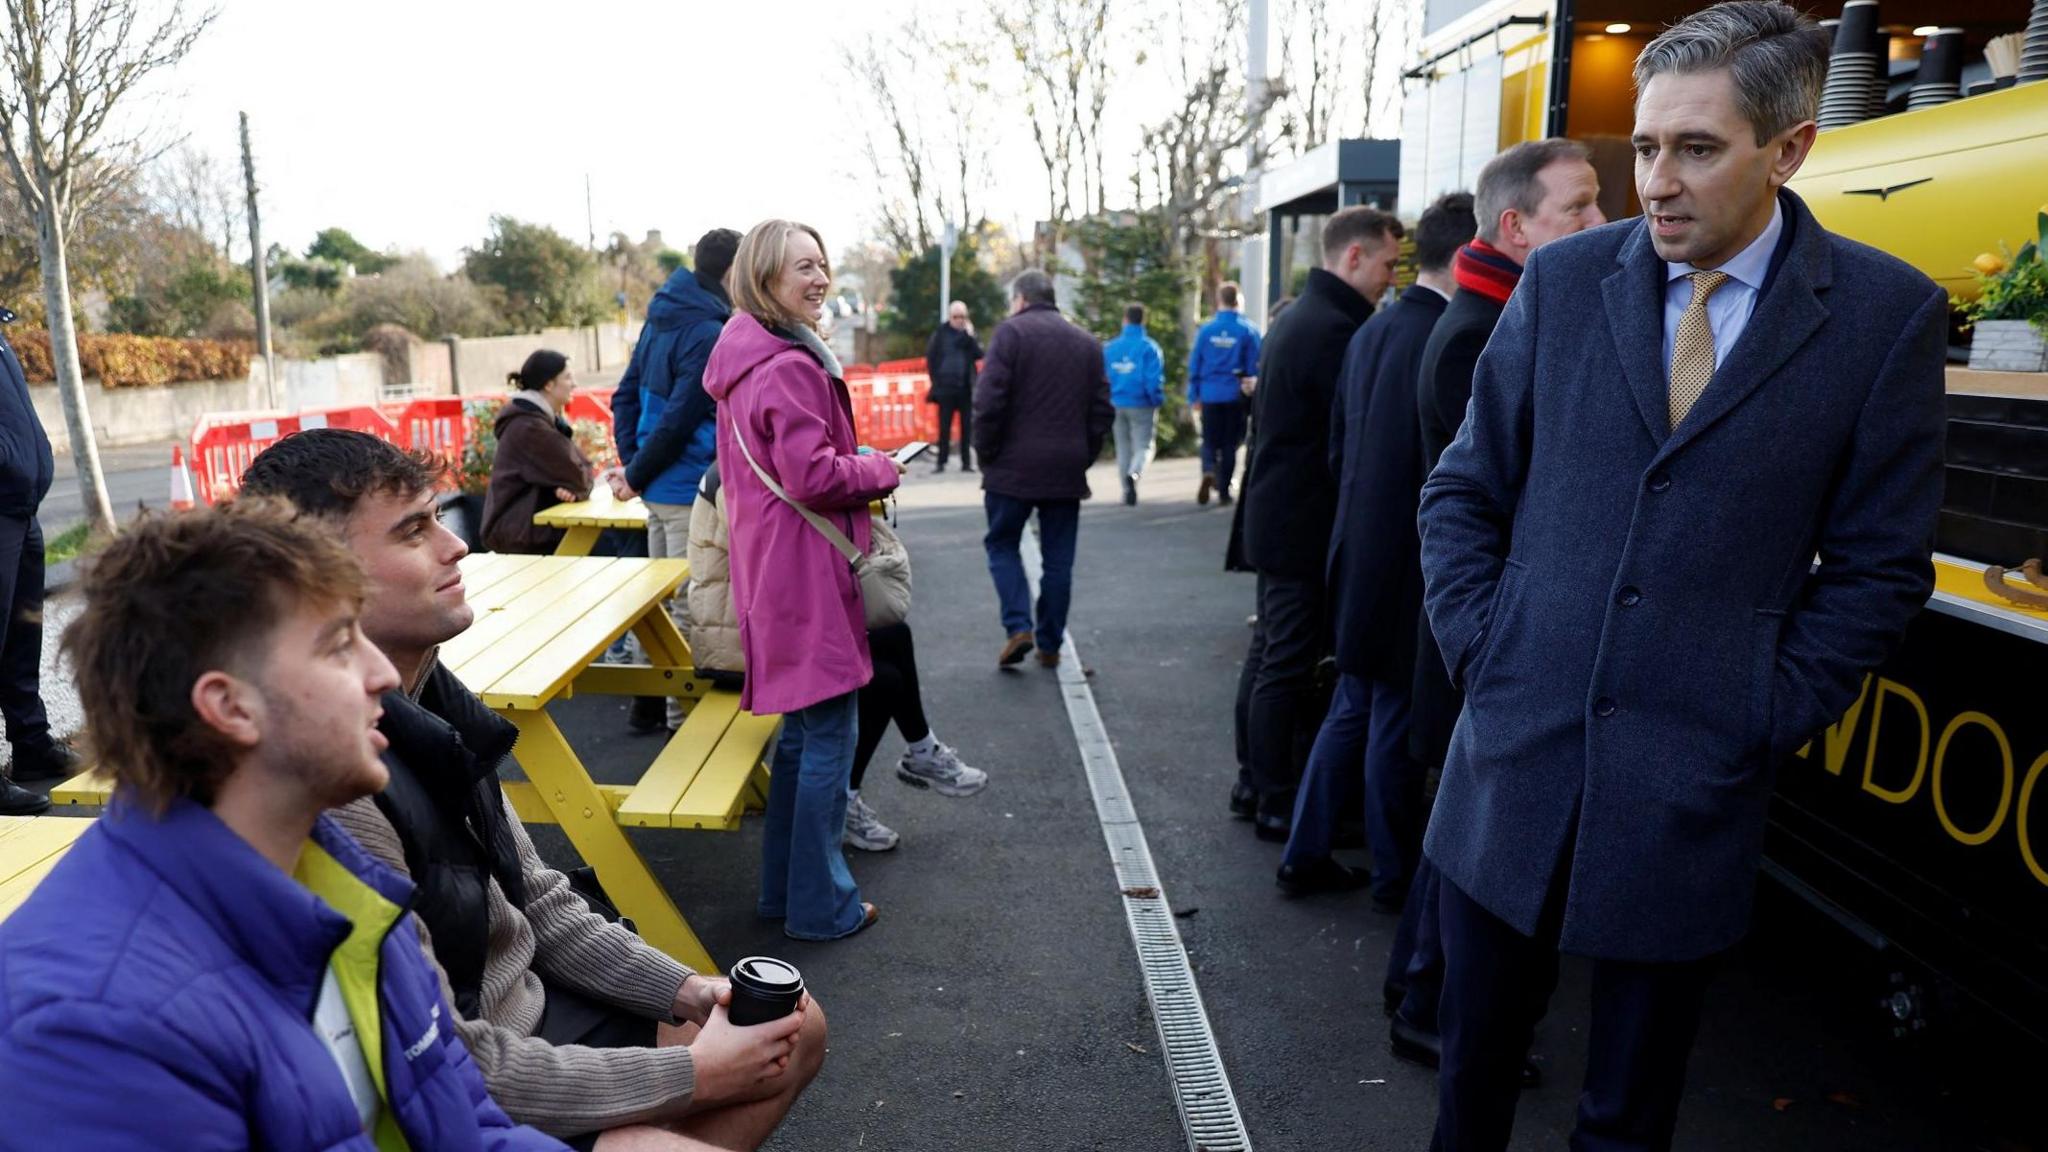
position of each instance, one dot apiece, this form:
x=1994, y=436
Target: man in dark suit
x=1041, y=414
x=1674, y=418
x=26, y=468
x=1291, y=498
x=949, y=362
x=1375, y=587
x=1533, y=193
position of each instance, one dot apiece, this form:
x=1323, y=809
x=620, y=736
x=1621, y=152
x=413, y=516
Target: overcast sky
x=410, y=122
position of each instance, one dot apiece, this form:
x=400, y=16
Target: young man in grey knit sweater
x=582, y=1029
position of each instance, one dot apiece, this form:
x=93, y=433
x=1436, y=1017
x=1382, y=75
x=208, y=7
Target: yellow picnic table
x=29, y=847
x=542, y=623
x=583, y=520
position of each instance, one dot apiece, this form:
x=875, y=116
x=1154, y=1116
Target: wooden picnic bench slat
x=662, y=786
x=719, y=794
x=628, y=514
x=88, y=788
x=482, y=571
x=510, y=577
x=46, y=836
x=549, y=667
x=530, y=619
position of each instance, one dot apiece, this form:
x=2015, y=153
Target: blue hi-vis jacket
x=1227, y=347
x=157, y=991
x=1137, y=371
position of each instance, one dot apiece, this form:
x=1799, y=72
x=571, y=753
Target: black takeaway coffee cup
x=763, y=989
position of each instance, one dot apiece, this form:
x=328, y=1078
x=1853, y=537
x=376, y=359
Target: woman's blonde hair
x=759, y=261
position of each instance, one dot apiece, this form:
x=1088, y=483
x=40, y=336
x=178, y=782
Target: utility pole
x=948, y=240
x=259, y=275
x=589, y=215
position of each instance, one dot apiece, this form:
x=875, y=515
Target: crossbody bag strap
x=835, y=536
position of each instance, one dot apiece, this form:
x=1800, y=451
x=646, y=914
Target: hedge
x=118, y=361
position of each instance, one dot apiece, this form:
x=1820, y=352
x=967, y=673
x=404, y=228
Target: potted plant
x=463, y=511
x=2010, y=314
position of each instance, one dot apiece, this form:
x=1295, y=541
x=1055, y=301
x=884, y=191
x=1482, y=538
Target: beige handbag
x=883, y=572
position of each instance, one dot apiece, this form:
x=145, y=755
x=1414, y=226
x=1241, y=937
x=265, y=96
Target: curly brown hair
x=175, y=597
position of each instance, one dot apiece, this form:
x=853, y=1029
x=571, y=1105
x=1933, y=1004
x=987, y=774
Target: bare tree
x=198, y=191
x=1314, y=52
x=69, y=64
x=1062, y=49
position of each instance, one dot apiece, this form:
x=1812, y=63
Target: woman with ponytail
x=538, y=464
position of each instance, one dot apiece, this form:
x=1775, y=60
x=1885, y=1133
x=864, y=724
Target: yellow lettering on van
x=2005, y=785
x=1842, y=733
x=1900, y=796
x=2020, y=825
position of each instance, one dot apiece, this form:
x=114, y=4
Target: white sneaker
x=865, y=831
x=941, y=771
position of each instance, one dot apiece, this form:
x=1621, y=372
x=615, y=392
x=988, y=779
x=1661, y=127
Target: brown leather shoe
x=1014, y=650
x=1048, y=659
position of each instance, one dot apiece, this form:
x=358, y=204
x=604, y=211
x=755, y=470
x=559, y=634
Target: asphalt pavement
x=998, y=1005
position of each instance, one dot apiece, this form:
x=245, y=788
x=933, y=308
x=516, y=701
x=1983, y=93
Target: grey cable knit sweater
x=568, y=1089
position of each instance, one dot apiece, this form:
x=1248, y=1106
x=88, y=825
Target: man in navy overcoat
x=1692, y=503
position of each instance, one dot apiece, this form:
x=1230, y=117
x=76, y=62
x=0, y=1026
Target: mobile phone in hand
x=911, y=451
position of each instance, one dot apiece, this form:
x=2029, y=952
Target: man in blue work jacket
x=1137, y=387
x=1225, y=354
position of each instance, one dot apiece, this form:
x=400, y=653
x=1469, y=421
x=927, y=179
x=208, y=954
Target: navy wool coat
x=1375, y=573
x=1634, y=613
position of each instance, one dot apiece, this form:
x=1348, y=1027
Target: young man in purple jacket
x=215, y=964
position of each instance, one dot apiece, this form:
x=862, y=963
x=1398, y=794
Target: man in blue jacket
x=25, y=472
x=1224, y=356
x=1691, y=505
x=1137, y=387
x=215, y=964
x=662, y=419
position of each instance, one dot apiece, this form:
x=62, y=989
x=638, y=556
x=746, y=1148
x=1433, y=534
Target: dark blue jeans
x=21, y=636
x=1334, y=772
x=1222, y=432
x=1415, y=965
x=1059, y=523
x=1363, y=743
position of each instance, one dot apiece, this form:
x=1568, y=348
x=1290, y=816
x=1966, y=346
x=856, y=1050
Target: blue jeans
x=803, y=871
x=1333, y=771
x=1059, y=522
x=1222, y=432
x=1415, y=965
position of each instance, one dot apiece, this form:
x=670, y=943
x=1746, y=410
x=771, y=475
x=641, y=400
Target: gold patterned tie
x=1692, y=353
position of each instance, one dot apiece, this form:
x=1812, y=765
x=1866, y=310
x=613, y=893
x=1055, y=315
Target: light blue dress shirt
x=1728, y=309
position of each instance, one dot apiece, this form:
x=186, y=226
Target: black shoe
x=1426, y=1049
x=58, y=763
x=1223, y=499
x=18, y=801
x=941, y=467
x=1130, y=491
x=647, y=714
x=1390, y=905
x=1273, y=827
x=1390, y=999
x=1321, y=875
x=967, y=468
x=1244, y=803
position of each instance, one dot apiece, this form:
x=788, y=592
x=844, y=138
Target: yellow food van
x=1920, y=822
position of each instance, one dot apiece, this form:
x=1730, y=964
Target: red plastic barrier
x=223, y=445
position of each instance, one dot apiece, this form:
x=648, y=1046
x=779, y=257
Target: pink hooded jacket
x=802, y=628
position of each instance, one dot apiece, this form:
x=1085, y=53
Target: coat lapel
x=1634, y=296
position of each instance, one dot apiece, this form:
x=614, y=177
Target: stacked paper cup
x=1854, y=67
x=2034, y=55
x=1940, y=79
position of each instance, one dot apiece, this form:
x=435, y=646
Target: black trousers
x=21, y=635
x=964, y=408
x=1284, y=709
x=891, y=695
x=1497, y=985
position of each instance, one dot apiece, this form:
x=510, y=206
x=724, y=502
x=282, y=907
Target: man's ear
x=229, y=706
x=1790, y=150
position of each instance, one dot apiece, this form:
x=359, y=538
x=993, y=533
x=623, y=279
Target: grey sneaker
x=865, y=831
x=941, y=771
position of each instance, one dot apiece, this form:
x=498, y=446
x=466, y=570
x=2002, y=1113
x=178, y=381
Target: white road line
x=1201, y=1088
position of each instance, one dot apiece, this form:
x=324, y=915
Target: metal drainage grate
x=1201, y=1089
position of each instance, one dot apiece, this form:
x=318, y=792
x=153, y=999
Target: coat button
x=1660, y=481
x=1603, y=707
x=1629, y=597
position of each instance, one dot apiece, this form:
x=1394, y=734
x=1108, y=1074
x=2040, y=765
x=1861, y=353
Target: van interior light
x=1617, y=29
x=1925, y=30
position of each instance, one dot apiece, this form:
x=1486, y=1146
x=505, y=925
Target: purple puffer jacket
x=802, y=629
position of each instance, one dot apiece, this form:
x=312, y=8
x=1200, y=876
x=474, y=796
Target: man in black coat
x=949, y=360
x=1041, y=415
x=26, y=467
x=1529, y=195
x=1291, y=499
x=1375, y=587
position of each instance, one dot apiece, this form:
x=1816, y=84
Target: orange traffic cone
x=181, y=481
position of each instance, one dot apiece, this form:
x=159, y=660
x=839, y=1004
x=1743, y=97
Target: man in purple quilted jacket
x=1041, y=414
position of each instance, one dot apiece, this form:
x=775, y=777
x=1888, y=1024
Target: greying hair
x=1033, y=286
x=1776, y=57
x=1513, y=180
